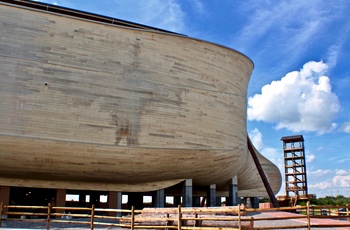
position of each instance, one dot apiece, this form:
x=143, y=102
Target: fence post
x=179, y=217
x=337, y=212
x=251, y=226
x=92, y=216
x=308, y=214
x=169, y=222
x=347, y=213
x=132, y=217
x=196, y=222
x=48, y=216
x=244, y=210
x=239, y=217
x=1, y=204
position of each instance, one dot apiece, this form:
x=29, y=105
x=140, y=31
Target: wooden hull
x=94, y=106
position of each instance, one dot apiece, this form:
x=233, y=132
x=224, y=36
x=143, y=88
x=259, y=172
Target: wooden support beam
x=262, y=174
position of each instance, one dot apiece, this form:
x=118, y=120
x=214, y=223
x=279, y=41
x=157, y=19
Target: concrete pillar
x=227, y=201
x=187, y=193
x=254, y=201
x=211, y=196
x=177, y=200
x=95, y=199
x=5, y=196
x=159, y=200
x=196, y=201
x=61, y=197
x=135, y=199
x=82, y=199
x=114, y=202
x=218, y=201
x=233, y=199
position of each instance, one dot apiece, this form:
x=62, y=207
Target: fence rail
x=179, y=220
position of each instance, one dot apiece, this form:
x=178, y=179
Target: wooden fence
x=179, y=219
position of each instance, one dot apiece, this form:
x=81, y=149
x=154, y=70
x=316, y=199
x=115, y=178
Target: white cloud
x=335, y=50
x=300, y=101
x=327, y=182
x=320, y=148
x=333, y=53
x=343, y=160
x=310, y=158
x=346, y=127
x=272, y=154
x=198, y=6
x=321, y=185
x=165, y=14
x=55, y=2
x=319, y=172
x=342, y=172
x=286, y=26
x=321, y=182
x=256, y=137
x=342, y=180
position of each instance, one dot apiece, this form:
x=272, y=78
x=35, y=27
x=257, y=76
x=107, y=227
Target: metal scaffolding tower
x=294, y=166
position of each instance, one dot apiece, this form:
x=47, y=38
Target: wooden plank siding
x=85, y=105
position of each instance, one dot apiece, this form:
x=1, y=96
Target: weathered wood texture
x=92, y=106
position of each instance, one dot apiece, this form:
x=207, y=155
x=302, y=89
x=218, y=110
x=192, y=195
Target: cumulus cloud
x=321, y=185
x=256, y=137
x=310, y=158
x=342, y=172
x=323, y=181
x=346, y=127
x=320, y=179
x=342, y=180
x=319, y=172
x=274, y=155
x=301, y=101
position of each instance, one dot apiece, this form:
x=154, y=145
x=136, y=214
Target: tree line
x=327, y=200
x=331, y=200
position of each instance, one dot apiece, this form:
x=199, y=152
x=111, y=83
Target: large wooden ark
x=97, y=105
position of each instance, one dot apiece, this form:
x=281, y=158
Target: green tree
x=331, y=200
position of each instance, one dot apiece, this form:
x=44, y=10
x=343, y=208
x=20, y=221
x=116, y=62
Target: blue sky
x=301, y=80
